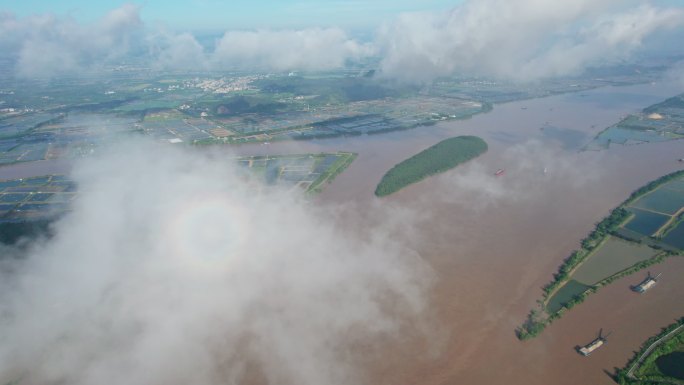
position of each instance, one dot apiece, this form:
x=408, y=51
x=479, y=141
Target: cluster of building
x=225, y=86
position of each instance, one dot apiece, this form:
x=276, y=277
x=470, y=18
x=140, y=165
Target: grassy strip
x=671, y=225
x=346, y=158
x=538, y=319
x=645, y=372
x=442, y=156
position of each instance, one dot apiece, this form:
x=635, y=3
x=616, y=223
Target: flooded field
x=493, y=242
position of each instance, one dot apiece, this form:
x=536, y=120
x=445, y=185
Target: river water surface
x=493, y=242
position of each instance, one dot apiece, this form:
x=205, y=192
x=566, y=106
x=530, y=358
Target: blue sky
x=215, y=15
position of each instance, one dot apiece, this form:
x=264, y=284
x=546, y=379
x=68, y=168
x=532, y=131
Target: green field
x=443, y=156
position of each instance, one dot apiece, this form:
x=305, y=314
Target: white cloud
x=308, y=49
x=45, y=45
x=173, y=270
x=519, y=39
x=178, y=51
x=512, y=39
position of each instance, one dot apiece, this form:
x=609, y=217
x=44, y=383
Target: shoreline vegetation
x=642, y=367
x=278, y=135
x=346, y=159
x=436, y=159
x=542, y=316
x=13, y=231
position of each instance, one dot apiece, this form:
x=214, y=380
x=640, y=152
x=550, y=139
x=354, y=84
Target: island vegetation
x=611, y=226
x=443, y=156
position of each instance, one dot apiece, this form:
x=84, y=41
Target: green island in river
x=441, y=157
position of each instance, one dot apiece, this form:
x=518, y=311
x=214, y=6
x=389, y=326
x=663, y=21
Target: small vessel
x=499, y=172
x=647, y=283
x=593, y=345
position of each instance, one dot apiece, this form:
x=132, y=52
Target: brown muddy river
x=493, y=242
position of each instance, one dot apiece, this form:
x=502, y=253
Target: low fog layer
x=536, y=169
x=174, y=269
x=524, y=40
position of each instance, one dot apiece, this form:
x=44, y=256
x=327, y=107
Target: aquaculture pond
x=618, y=135
x=672, y=365
x=676, y=237
x=646, y=222
x=676, y=185
x=565, y=294
x=35, y=198
x=664, y=200
x=613, y=256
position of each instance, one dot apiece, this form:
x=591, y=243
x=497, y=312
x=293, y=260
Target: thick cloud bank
x=46, y=45
x=513, y=39
x=519, y=39
x=310, y=49
x=173, y=269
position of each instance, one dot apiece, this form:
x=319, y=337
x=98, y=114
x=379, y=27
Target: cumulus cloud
x=520, y=39
x=262, y=50
x=173, y=269
x=46, y=45
x=309, y=49
x=177, y=52
x=513, y=39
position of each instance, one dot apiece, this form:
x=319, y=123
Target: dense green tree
x=441, y=157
